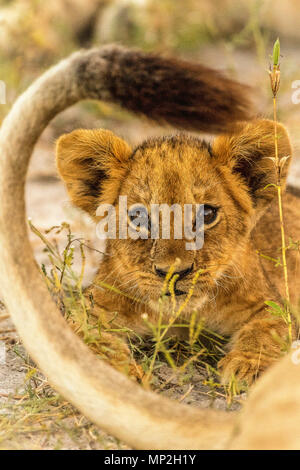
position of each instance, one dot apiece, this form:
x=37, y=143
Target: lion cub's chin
x=169, y=308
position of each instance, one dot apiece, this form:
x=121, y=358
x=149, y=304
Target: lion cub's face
x=228, y=178
x=181, y=170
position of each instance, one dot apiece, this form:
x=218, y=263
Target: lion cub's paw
x=244, y=366
x=113, y=349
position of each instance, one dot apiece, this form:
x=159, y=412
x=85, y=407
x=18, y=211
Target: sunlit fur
x=232, y=174
x=140, y=418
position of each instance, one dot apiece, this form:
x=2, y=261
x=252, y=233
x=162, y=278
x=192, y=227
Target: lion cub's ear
x=250, y=153
x=92, y=163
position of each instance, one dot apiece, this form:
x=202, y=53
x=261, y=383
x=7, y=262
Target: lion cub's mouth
x=176, y=292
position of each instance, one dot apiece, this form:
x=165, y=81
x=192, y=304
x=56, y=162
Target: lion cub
x=233, y=178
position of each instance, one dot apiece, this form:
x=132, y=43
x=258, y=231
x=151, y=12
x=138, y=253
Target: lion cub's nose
x=162, y=270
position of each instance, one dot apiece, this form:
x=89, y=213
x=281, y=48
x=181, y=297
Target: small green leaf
x=275, y=308
x=276, y=52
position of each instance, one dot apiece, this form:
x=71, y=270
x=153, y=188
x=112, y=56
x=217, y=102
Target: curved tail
x=177, y=92
x=140, y=418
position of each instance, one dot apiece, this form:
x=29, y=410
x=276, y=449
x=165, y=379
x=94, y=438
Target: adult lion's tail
x=140, y=418
x=174, y=91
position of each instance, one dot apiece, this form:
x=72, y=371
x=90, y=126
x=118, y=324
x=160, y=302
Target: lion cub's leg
x=115, y=321
x=106, y=331
x=113, y=349
x=258, y=344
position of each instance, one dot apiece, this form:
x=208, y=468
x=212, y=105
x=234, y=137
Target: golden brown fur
x=235, y=281
x=138, y=417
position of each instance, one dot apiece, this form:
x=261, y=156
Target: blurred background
x=234, y=36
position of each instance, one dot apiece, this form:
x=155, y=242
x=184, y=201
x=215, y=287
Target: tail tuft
x=172, y=91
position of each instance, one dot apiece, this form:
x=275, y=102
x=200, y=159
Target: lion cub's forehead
x=170, y=169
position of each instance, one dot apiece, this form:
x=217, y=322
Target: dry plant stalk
x=275, y=84
x=168, y=285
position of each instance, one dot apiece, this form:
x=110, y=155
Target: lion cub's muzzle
x=162, y=271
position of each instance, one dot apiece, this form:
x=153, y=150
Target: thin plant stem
x=280, y=207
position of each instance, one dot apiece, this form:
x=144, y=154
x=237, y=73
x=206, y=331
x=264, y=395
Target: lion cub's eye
x=206, y=215
x=139, y=218
x=210, y=214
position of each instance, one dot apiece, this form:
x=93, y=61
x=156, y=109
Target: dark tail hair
x=172, y=91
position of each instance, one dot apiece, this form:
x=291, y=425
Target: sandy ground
x=47, y=205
